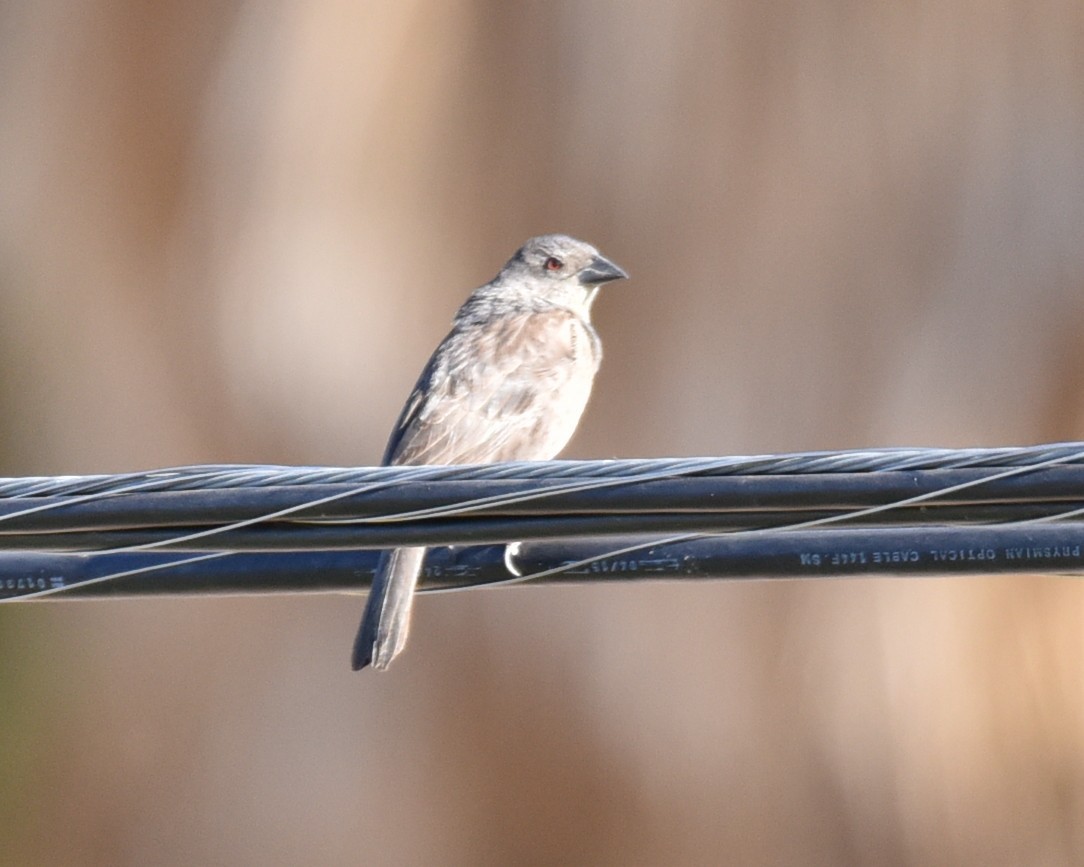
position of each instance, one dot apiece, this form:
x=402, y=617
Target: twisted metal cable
x=229, y=476
x=187, y=529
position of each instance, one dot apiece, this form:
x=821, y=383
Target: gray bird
x=508, y=383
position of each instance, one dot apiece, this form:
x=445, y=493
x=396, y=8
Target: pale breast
x=572, y=393
x=511, y=388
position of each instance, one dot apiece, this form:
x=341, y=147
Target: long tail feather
x=386, y=621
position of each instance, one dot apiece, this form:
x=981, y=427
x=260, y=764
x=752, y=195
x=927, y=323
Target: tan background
x=234, y=231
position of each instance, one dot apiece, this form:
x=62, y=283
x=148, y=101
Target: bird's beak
x=601, y=270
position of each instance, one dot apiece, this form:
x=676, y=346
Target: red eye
x=554, y=264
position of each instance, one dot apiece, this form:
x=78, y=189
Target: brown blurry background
x=234, y=232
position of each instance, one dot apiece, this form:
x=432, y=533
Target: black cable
x=874, y=552
x=298, y=529
x=741, y=495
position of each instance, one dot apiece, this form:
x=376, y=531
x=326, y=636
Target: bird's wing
x=505, y=390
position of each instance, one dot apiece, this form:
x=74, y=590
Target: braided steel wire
x=211, y=529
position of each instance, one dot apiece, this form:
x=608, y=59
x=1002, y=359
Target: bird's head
x=560, y=268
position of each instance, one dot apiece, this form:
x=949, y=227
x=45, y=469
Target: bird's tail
x=386, y=621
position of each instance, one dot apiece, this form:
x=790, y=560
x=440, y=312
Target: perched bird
x=509, y=382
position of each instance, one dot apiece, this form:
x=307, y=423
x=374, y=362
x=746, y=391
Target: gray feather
x=386, y=620
x=509, y=382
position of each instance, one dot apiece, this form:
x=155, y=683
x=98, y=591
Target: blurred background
x=233, y=232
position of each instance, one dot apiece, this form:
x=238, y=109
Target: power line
x=238, y=529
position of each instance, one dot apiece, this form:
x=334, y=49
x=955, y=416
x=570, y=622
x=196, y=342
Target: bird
x=508, y=383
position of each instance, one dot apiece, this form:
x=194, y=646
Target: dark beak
x=601, y=270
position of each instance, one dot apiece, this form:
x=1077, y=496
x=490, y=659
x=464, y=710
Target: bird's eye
x=554, y=264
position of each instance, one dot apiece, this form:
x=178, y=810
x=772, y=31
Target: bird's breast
x=509, y=385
